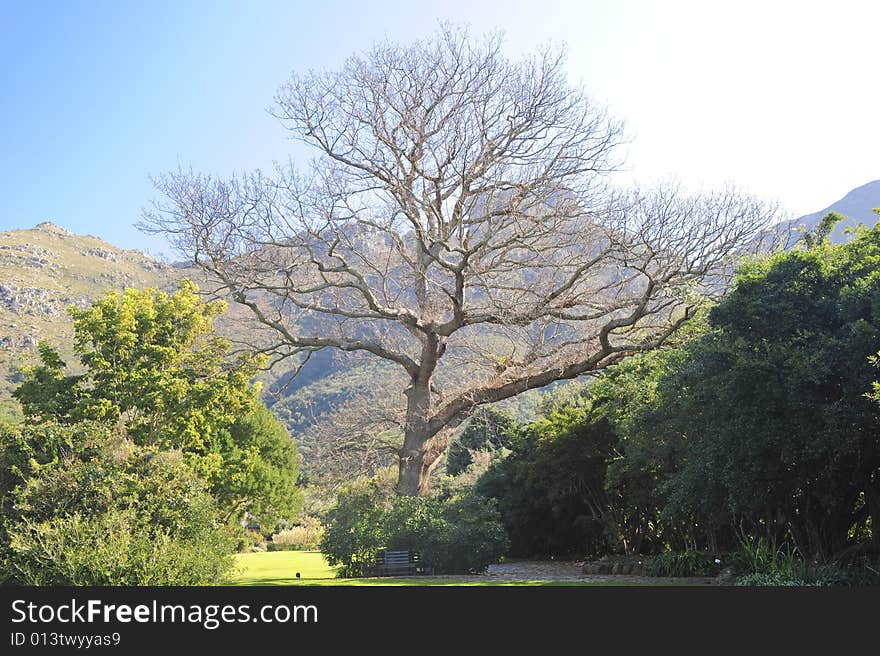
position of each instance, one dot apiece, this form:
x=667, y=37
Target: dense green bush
x=686, y=563
x=551, y=490
x=352, y=533
x=456, y=536
x=768, y=579
x=135, y=469
x=83, y=505
x=453, y=536
x=780, y=434
x=116, y=547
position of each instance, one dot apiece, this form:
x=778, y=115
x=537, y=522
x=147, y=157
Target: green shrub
x=353, y=532
x=768, y=579
x=686, y=563
x=114, y=548
x=757, y=556
x=473, y=537
x=82, y=505
x=306, y=536
x=458, y=535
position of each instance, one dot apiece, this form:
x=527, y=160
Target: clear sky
x=780, y=98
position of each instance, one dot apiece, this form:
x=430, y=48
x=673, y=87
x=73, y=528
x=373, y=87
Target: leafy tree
x=551, y=487
x=875, y=360
x=771, y=402
x=626, y=395
x=46, y=392
x=488, y=430
x=822, y=231
x=153, y=361
x=600, y=455
x=260, y=468
x=154, y=366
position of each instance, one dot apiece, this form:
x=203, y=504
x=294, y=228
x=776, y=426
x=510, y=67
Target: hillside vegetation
x=45, y=270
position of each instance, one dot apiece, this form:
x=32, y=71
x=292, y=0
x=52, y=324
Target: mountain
x=856, y=207
x=46, y=269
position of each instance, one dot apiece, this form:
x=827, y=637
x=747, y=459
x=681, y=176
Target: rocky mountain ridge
x=45, y=270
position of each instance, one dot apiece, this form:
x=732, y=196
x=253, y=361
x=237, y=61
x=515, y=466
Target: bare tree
x=455, y=223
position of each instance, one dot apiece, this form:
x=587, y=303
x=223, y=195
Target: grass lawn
x=280, y=568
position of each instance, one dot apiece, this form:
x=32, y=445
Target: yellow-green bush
x=306, y=536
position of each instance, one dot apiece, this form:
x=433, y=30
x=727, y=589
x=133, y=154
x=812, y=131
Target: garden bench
x=397, y=562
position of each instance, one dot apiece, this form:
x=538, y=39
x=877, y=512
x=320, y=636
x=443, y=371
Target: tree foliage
x=83, y=505
x=489, y=430
x=152, y=360
x=154, y=367
x=551, y=487
x=456, y=535
x=260, y=470
x=761, y=425
x=771, y=402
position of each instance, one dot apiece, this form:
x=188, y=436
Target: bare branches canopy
x=455, y=222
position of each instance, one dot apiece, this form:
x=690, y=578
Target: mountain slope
x=46, y=269
x=856, y=207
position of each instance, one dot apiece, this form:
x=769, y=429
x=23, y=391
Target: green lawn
x=280, y=568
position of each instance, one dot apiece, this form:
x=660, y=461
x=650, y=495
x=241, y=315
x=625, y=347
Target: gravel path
x=550, y=570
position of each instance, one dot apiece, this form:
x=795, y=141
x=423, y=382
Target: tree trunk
x=418, y=462
x=415, y=440
x=409, y=480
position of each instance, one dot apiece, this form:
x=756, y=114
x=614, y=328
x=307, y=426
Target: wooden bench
x=397, y=562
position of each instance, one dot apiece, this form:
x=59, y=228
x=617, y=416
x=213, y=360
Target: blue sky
x=780, y=98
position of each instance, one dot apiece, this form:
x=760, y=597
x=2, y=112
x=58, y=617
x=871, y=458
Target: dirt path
x=549, y=570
